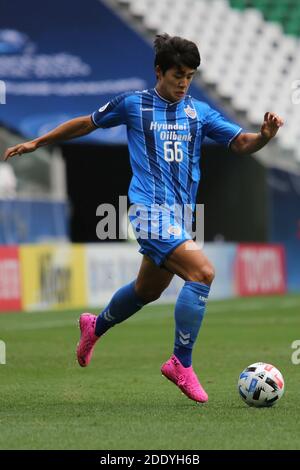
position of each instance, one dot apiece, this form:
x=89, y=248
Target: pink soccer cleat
x=185, y=378
x=88, y=339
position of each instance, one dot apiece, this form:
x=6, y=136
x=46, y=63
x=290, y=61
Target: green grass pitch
x=121, y=401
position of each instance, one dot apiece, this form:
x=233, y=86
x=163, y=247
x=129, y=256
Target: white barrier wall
x=110, y=266
x=223, y=258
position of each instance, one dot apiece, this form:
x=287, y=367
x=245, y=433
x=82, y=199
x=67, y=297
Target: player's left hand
x=272, y=123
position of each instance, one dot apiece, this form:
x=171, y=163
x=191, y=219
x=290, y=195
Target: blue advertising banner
x=33, y=221
x=292, y=250
x=284, y=202
x=284, y=225
x=59, y=60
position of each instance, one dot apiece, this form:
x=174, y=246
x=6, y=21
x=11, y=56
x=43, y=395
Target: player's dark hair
x=173, y=51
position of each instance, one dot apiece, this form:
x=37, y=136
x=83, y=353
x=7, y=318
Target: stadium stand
x=257, y=68
x=287, y=13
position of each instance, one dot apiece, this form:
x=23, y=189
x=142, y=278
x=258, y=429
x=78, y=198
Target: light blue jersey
x=164, y=140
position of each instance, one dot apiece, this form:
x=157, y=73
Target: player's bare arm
x=247, y=143
x=68, y=130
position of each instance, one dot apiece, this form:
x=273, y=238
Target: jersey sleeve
x=112, y=113
x=219, y=129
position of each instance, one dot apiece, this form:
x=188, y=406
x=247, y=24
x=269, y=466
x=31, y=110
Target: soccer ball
x=261, y=384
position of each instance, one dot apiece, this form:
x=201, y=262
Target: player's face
x=174, y=83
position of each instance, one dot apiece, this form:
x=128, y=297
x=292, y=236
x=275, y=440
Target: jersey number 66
x=173, y=151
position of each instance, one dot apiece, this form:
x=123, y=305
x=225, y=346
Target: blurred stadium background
x=59, y=60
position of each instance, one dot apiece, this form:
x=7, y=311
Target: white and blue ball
x=261, y=385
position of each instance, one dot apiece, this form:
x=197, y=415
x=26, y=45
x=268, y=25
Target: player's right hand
x=19, y=149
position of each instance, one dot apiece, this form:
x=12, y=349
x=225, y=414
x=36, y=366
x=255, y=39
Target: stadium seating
x=286, y=12
x=256, y=67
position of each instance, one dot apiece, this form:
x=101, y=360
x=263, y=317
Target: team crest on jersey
x=190, y=112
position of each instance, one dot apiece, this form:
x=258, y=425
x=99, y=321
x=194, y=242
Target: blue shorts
x=158, y=231
x=159, y=250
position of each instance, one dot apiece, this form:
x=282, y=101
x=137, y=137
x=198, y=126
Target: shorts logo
x=190, y=112
x=173, y=230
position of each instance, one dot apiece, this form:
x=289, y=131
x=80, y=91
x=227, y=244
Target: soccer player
x=165, y=128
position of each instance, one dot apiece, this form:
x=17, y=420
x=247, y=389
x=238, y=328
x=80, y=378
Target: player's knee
x=205, y=274
x=148, y=294
x=208, y=274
